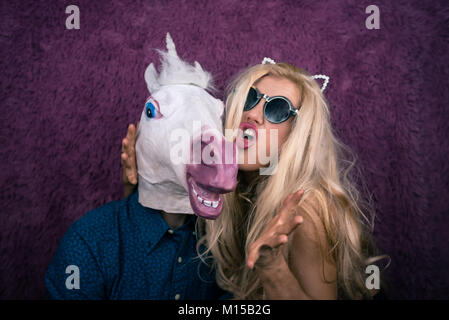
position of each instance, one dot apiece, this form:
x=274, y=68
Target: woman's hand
x=129, y=170
x=265, y=250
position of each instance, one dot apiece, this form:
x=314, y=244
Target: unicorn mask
x=179, y=102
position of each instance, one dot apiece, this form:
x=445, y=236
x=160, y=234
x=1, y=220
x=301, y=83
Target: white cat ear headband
x=317, y=76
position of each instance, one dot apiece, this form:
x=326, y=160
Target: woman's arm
x=303, y=276
x=316, y=274
x=308, y=275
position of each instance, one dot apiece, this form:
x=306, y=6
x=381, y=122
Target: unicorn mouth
x=204, y=196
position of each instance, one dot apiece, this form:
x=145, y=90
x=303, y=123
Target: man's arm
x=74, y=273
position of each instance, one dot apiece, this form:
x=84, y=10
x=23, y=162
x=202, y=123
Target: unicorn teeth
x=207, y=203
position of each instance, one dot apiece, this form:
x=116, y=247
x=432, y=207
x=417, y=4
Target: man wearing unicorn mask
x=145, y=246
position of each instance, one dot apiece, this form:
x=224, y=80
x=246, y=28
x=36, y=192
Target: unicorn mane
x=175, y=71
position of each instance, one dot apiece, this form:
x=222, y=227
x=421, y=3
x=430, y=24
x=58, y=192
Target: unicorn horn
x=171, y=45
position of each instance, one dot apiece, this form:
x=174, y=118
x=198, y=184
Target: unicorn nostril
x=206, y=139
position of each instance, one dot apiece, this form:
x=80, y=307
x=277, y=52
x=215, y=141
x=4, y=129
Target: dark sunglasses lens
x=251, y=99
x=277, y=110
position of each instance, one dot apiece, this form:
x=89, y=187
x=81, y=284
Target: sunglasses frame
x=292, y=110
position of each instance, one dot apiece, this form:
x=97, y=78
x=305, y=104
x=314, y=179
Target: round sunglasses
x=276, y=109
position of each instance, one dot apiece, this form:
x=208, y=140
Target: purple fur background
x=67, y=97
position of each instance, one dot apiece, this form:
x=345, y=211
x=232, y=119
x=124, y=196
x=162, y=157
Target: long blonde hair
x=311, y=159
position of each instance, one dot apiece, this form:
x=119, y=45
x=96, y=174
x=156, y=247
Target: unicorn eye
x=152, y=110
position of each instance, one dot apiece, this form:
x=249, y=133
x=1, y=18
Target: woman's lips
x=245, y=143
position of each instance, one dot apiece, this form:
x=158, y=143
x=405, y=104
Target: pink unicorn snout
x=214, y=175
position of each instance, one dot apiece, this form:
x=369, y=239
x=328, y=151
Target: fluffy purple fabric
x=67, y=97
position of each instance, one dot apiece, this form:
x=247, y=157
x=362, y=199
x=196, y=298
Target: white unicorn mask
x=178, y=101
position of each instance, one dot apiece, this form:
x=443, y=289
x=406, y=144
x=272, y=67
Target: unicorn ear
x=170, y=45
x=198, y=66
x=151, y=78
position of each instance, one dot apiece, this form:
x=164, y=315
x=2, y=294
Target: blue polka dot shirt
x=123, y=250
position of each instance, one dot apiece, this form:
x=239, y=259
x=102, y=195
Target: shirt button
x=170, y=231
x=179, y=260
x=177, y=296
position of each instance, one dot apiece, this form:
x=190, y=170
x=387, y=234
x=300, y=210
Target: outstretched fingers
x=128, y=155
x=290, y=204
x=276, y=232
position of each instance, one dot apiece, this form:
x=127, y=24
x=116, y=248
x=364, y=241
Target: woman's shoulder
x=316, y=232
x=309, y=249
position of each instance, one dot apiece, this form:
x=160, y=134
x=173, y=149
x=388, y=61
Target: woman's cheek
x=267, y=144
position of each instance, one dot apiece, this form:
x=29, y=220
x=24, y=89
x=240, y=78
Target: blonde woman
x=302, y=232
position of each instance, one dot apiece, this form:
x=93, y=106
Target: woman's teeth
x=249, y=133
x=207, y=203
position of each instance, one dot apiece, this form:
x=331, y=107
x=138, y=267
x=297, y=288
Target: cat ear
x=151, y=78
x=324, y=77
x=268, y=60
